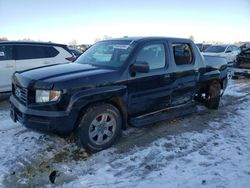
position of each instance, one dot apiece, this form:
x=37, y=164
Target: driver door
x=149, y=92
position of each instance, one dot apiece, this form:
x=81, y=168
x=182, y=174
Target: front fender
x=83, y=98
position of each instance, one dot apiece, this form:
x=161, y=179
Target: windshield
x=107, y=53
x=215, y=49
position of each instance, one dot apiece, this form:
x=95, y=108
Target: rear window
x=5, y=52
x=34, y=52
x=182, y=53
x=50, y=52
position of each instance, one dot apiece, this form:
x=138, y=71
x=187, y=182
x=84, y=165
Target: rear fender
x=208, y=77
x=211, y=75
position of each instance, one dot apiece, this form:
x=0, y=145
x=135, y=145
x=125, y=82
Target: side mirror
x=228, y=51
x=139, y=66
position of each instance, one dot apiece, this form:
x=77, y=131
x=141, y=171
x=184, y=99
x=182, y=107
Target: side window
x=182, y=53
x=50, y=52
x=154, y=55
x=5, y=52
x=29, y=52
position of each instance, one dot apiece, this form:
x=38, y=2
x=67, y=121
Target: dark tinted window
x=29, y=52
x=154, y=55
x=50, y=52
x=5, y=52
x=182, y=53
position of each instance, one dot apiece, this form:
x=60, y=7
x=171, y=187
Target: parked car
x=245, y=46
x=243, y=59
x=19, y=56
x=242, y=65
x=75, y=52
x=136, y=81
x=202, y=46
x=228, y=51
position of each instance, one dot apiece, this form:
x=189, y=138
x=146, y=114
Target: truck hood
x=215, y=61
x=63, y=76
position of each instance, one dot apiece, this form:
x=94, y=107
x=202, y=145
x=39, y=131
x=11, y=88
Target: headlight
x=47, y=96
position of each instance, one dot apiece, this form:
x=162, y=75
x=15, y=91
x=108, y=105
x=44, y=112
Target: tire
x=213, y=95
x=100, y=127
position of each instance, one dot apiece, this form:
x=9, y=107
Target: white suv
x=19, y=56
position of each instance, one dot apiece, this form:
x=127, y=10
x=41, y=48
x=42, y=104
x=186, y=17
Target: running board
x=161, y=115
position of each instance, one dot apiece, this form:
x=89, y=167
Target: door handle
x=9, y=66
x=46, y=63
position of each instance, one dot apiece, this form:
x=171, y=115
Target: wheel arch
x=205, y=85
x=117, y=101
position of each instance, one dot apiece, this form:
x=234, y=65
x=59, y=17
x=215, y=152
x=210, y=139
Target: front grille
x=21, y=94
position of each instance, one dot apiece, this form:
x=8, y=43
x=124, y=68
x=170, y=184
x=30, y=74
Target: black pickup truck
x=135, y=81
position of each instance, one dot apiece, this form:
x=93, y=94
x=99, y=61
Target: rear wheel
x=100, y=127
x=213, y=95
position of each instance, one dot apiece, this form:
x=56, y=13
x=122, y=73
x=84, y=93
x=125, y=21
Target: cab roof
x=144, y=39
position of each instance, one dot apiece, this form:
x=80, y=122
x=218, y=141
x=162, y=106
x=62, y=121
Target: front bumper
x=62, y=122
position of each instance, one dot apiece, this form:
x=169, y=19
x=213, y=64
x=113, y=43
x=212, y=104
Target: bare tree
x=97, y=39
x=73, y=43
x=3, y=39
x=27, y=39
x=191, y=37
x=106, y=37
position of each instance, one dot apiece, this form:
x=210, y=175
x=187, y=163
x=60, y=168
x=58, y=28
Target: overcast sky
x=62, y=21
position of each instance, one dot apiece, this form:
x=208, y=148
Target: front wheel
x=100, y=127
x=213, y=95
